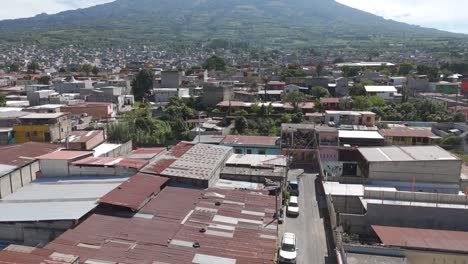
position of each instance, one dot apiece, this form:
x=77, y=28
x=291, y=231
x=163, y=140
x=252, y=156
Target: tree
x=33, y=67
x=319, y=92
x=294, y=98
x=459, y=117
x=349, y=71
x=87, y=68
x=293, y=70
x=241, y=124
x=14, y=67
x=319, y=69
x=338, y=60
x=405, y=68
x=63, y=70
x=2, y=100
x=450, y=142
x=95, y=71
x=432, y=72
x=215, y=63
x=44, y=80
x=142, y=84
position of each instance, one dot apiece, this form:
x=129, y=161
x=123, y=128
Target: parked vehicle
x=293, y=187
x=288, y=250
x=293, y=206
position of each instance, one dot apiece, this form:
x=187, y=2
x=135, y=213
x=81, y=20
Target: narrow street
x=309, y=226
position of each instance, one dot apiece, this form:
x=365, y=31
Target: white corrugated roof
x=56, y=199
x=380, y=89
x=411, y=153
x=359, y=134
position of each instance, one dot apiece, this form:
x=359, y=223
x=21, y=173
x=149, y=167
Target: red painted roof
x=21, y=154
x=159, y=166
x=135, y=192
x=250, y=140
x=454, y=241
x=64, y=155
x=180, y=149
x=111, y=162
x=148, y=151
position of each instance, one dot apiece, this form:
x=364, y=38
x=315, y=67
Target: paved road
x=309, y=226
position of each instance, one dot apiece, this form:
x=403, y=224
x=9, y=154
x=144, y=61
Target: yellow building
x=409, y=136
x=37, y=127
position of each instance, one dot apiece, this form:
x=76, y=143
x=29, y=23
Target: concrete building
x=96, y=110
x=417, y=84
x=100, y=166
x=72, y=86
x=253, y=144
x=255, y=168
x=350, y=118
x=457, y=129
x=110, y=94
x=57, y=164
x=40, y=97
x=360, y=138
x=45, y=208
x=385, y=92
x=171, y=79
x=42, y=127
x=214, y=93
x=409, y=136
x=19, y=165
x=191, y=164
x=84, y=140
x=163, y=95
x=47, y=108
x=37, y=87
x=430, y=164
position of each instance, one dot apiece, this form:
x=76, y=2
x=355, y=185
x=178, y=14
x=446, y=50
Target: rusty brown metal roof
x=135, y=192
x=237, y=225
x=416, y=238
x=21, y=154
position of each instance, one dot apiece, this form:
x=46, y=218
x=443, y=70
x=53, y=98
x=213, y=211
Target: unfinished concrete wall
x=441, y=198
x=54, y=168
x=121, y=151
x=11, y=182
x=101, y=171
x=405, y=216
x=348, y=204
x=33, y=234
x=437, y=171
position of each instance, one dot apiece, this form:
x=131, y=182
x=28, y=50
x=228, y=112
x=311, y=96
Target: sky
x=444, y=15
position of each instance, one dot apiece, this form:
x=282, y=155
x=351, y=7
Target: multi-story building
x=48, y=127
x=352, y=118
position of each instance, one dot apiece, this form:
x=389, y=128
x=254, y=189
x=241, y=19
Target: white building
x=385, y=92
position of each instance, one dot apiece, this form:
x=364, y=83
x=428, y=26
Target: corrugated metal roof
x=359, y=134
x=443, y=240
x=64, y=155
x=408, y=132
x=56, y=199
x=250, y=140
x=168, y=226
x=411, y=153
x=21, y=154
x=43, y=116
x=380, y=89
x=146, y=153
x=111, y=162
x=135, y=192
x=15, y=254
x=104, y=148
x=84, y=136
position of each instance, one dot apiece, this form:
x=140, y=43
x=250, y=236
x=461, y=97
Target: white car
x=288, y=250
x=293, y=206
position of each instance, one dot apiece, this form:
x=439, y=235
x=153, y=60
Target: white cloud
x=445, y=15
x=28, y=8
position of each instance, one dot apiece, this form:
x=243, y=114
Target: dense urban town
x=143, y=155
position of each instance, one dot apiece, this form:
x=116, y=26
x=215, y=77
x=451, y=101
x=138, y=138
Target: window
x=26, y=134
x=368, y=119
x=34, y=133
x=249, y=151
x=332, y=119
x=262, y=152
x=238, y=151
